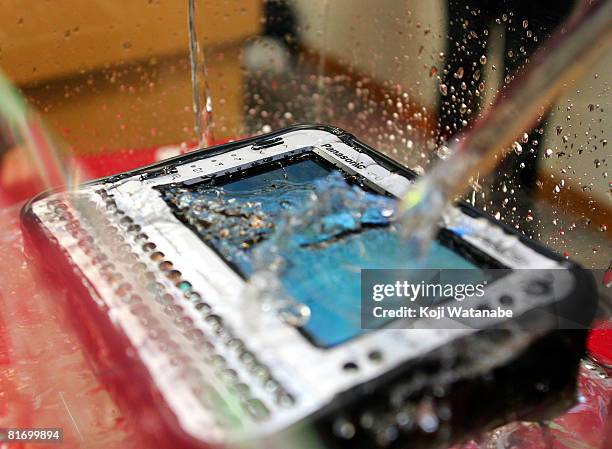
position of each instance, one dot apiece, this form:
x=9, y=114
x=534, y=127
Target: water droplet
x=344, y=429
x=443, y=152
x=294, y=313
x=483, y=59
x=548, y=152
x=459, y=73
x=426, y=418
x=518, y=149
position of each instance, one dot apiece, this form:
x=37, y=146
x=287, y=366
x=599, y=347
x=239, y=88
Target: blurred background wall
x=113, y=74
x=400, y=41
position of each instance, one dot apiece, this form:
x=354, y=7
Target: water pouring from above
x=202, y=99
x=568, y=55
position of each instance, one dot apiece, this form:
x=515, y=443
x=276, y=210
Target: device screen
x=235, y=216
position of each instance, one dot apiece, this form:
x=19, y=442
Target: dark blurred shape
x=281, y=24
x=527, y=24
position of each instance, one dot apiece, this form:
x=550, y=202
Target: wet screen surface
x=323, y=272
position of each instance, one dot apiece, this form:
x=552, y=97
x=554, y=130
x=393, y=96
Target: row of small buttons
x=252, y=405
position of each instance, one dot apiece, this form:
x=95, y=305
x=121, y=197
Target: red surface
x=600, y=343
x=46, y=381
x=98, y=165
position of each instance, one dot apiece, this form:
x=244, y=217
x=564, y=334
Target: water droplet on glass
x=294, y=313
x=419, y=170
x=518, y=149
x=483, y=59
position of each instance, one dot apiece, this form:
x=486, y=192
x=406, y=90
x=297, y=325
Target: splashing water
x=334, y=210
x=202, y=99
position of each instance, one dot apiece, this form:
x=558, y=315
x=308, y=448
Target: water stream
x=567, y=56
x=321, y=83
x=202, y=99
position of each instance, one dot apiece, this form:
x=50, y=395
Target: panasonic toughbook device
x=157, y=264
